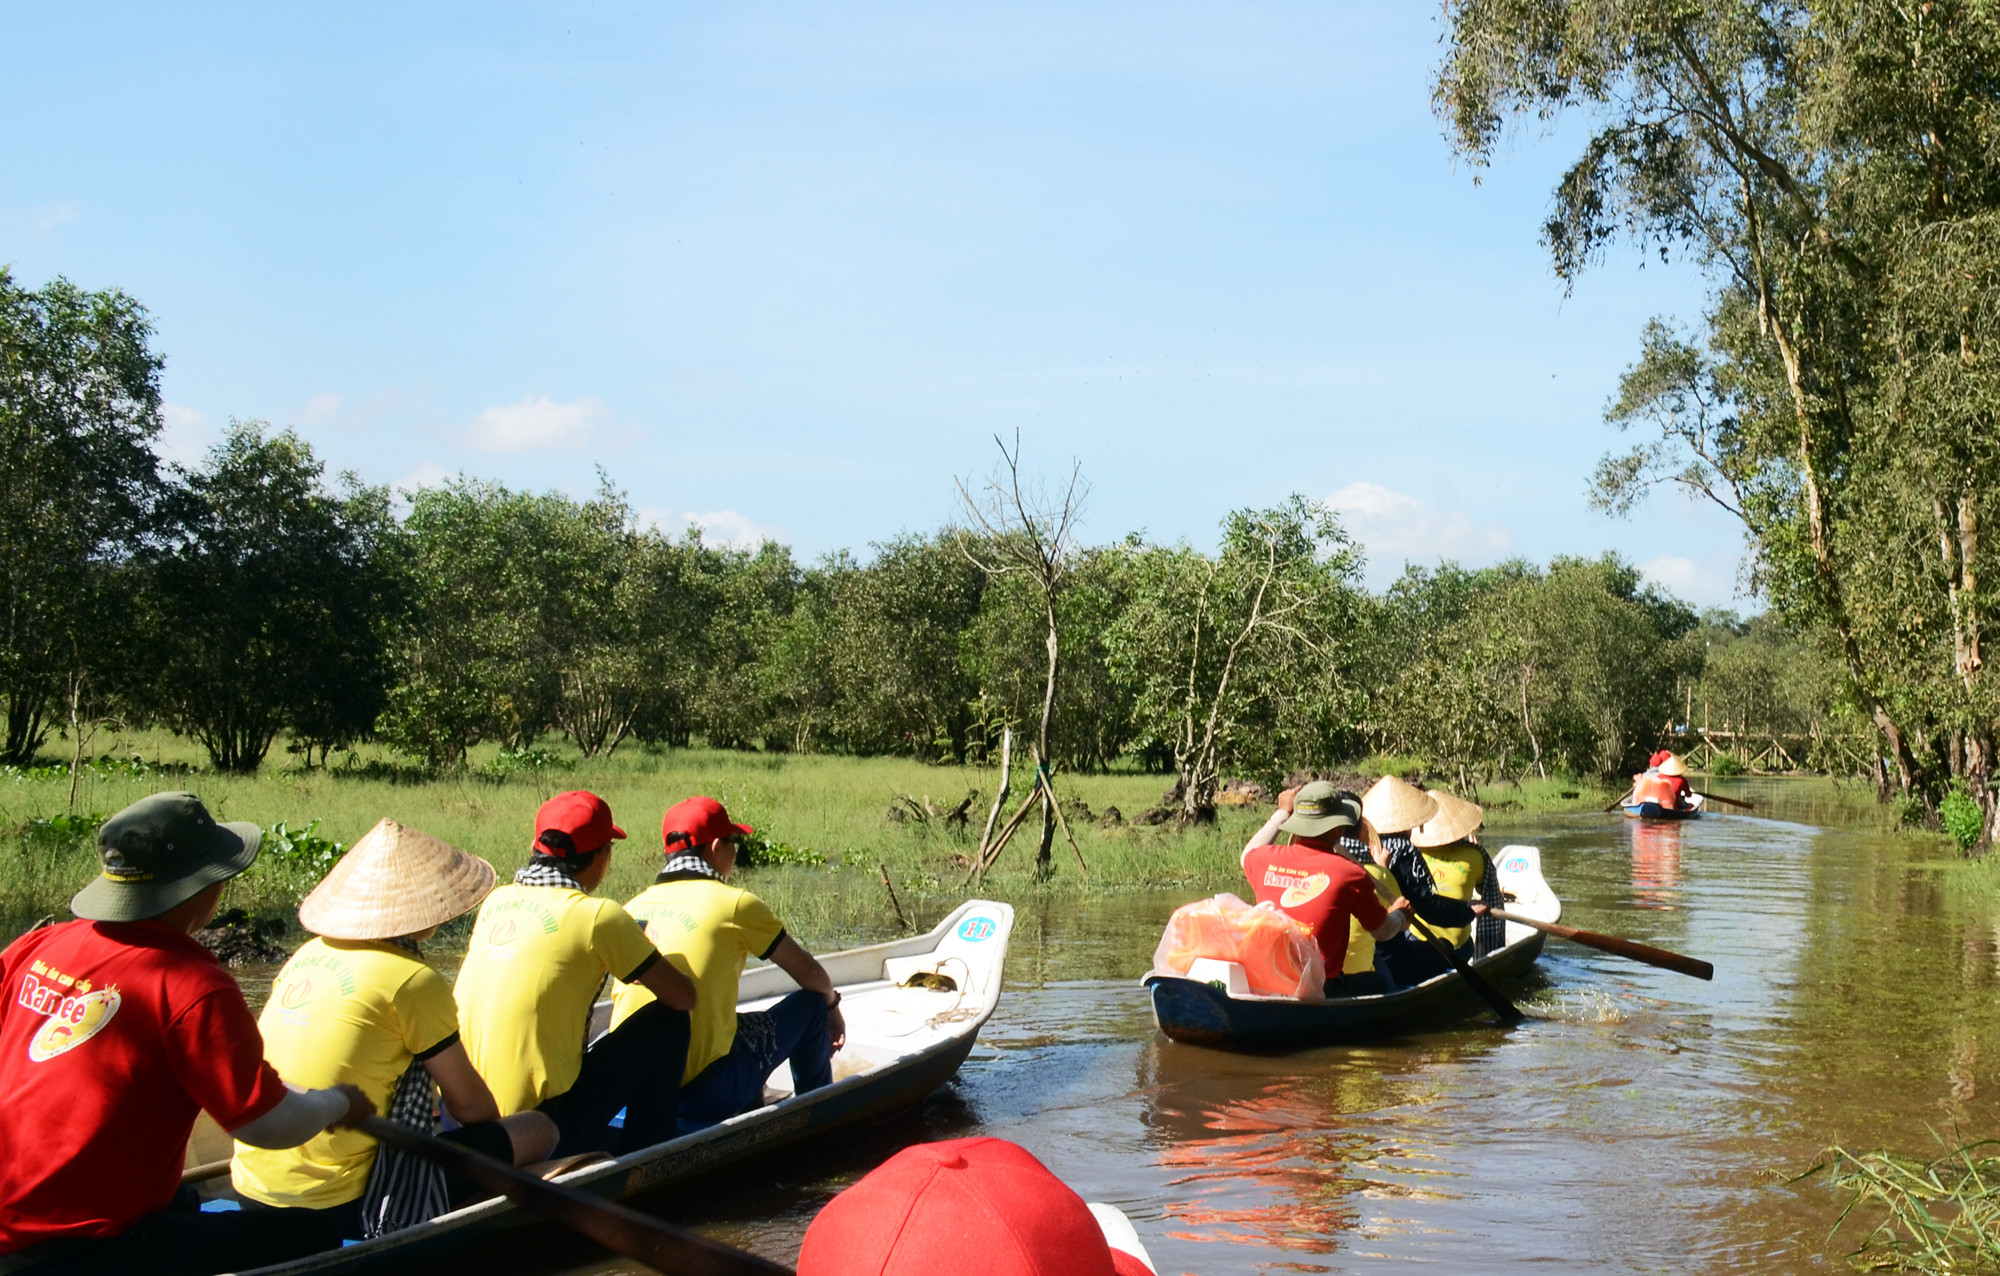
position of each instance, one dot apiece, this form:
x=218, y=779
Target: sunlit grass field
x=834, y=810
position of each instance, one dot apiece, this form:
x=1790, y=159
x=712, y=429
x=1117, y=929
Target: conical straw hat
x=395, y=881
x=1396, y=806
x=1456, y=820
x=1673, y=765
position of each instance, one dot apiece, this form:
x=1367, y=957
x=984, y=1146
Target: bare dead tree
x=1028, y=530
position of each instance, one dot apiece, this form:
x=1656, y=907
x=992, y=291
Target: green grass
x=834, y=806
x=1916, y=1215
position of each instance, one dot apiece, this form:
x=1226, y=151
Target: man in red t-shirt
x=1316, y=886
x=115, y=1030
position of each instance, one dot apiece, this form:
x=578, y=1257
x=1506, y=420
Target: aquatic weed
x=1940, y=1215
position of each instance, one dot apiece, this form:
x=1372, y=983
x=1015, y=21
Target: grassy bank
x=830, y=819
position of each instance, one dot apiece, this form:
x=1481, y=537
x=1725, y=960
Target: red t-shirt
x=1318, y=889
x=112, y=1036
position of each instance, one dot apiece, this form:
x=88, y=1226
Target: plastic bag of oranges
x=1277, y=955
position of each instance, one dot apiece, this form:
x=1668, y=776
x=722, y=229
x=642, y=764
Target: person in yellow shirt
x=709, y=928
x=1465, y=882
x=540, y=949
x=358, y=1005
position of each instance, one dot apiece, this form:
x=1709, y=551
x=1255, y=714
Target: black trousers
x=636, y=1066
x=182, y=1241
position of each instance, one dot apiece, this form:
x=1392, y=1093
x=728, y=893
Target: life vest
x=1655, y=788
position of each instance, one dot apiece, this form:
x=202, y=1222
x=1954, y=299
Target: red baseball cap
x=983, y=1205
x=584, y=820
x=695, y=823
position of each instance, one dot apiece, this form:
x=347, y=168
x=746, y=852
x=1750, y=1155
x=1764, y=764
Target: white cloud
x=319, y=407
x=55, y=215
x=718, y=527
x=1685, y=578
x=428, y=474
x=537, y=422
x=1397, y=528
x=185, y=435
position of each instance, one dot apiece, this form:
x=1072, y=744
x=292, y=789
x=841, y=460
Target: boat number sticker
x=1515, y=864
x=975, y=930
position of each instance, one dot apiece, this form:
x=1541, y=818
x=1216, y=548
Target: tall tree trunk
x=1044, y=849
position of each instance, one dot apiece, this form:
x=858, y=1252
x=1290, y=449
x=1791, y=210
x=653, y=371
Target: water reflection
x=1656, y=863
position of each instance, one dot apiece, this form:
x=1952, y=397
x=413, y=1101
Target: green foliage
x=62, y=830
x=761, y=851
x=1961, y=818
x=1727, y=764
x=1934, y=1216
x=79, y=409
x=266, y=607
x=302, y=848
x=1834, y=167
x=511, y=762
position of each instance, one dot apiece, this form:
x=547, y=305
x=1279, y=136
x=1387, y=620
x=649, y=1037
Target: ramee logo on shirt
x=72, y=1017
x=1297, y=885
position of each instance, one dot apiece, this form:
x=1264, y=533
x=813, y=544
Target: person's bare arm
x=303, y=1113
x=1268, y=834
x=808, y=974
x=464, y=1091
x=1396, y=922
x=664, y=980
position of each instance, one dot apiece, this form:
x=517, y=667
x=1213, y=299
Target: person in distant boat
x=540, y=949
x=1464, y=884
x=1311, y=882
x=115, y=1031
x=979, y=1205
x=709, y=929
x=360, y=1005
x=1663, y=785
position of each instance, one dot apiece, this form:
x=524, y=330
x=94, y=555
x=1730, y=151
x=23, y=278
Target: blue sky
x=786, y=269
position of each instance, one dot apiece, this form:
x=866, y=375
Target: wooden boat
x=1654, y=811
x=902, y=1043
x=1204, y=1014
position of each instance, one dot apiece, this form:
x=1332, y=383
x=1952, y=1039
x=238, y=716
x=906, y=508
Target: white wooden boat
x=902, y=1043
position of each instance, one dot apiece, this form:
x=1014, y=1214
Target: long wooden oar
x=203, y=1173
x=1717, y=797
x=1509, y=1013
x=1619, y=803
x=1612, y=944
x=657, y=1244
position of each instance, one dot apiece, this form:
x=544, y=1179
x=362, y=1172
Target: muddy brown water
x=1642, y=1122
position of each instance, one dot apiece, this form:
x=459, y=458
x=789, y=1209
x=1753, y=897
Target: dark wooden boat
x=902, y=1044
x=1654, y=811
x=1205, y=1014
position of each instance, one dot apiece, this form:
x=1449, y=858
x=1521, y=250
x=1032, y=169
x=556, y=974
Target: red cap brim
x=617, y=834
x=1128, y=1264
x=744, y=829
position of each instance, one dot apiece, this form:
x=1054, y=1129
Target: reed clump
x=1939, y=1215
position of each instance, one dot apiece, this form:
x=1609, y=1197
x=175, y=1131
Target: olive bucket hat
x=1321, y=807
x=160, y=851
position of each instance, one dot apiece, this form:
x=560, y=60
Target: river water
x=1639, y=1121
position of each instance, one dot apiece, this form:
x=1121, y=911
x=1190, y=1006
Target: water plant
x=1939, y=1215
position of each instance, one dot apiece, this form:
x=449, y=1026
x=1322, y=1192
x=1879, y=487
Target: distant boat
x=1654, y=811
x=1206, y=1014
x=902, y=1044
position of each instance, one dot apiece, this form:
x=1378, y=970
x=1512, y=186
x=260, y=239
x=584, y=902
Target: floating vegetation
x=1940, y=1215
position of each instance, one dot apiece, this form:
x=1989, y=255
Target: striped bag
x=404, y=1190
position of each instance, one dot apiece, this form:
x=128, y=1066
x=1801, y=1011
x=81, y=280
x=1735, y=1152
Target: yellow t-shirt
x=707, y=929
x=1457, y=869
x=1361, y=944
x=537, y=957
x=342, y=1011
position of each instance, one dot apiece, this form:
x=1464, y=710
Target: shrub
x=763, y=852
x=1727, y=764
x=1960, y=817
x=513, y=761
x=56, y=832
x=304, y=848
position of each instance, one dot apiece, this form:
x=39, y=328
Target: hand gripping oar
x=1612, y=944
x=659, y=1245
x=1717, y=797
x=1508, y=1012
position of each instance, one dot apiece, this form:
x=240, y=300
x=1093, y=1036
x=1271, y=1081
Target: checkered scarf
x=546, y=870
x=679, y=866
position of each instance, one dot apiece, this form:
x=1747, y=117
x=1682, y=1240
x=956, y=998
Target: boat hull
x=1654, y=811
x=1199, y=1014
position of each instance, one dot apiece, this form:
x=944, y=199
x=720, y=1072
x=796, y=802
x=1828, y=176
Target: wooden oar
x=1619, y=803
x=1717, y=797
x=1612, y=944
x=1509, y=1013
x=659, y=1245
x=203, y=1173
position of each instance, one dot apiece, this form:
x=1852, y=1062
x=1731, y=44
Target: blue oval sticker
x=975, y=930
